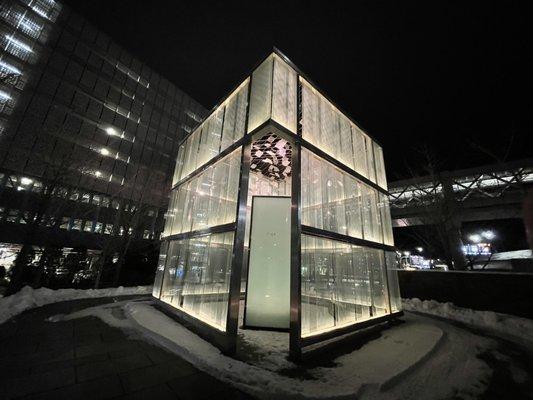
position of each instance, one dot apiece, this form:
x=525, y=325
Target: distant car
x=440, y=267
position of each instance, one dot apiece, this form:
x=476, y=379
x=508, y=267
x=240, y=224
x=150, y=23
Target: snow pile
x=28, y=298
x=500, y=323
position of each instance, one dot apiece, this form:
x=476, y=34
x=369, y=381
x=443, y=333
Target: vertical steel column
x=295, y=345
x=295, y=350
x=232, y=321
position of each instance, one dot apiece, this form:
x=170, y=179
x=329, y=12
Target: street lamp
x=476, y=238
x=488, y=234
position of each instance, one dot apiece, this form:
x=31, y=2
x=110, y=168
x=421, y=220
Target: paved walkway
x=87, y=359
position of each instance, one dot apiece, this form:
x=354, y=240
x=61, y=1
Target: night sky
x=452, y=77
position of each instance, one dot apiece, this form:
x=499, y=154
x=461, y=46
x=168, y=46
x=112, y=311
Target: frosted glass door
x=267, y=296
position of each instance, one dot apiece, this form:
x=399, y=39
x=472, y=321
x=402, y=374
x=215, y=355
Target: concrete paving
x=87, y=359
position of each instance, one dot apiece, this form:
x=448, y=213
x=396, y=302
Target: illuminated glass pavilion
x=279, y=205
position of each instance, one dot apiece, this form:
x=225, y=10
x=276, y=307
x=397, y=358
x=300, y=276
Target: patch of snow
x=500, y=323
x=513, y=255
x=402, y=362
x=28, y=298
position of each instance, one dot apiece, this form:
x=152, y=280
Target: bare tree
x=47, y=209
x=439, y=230
x=128, y=226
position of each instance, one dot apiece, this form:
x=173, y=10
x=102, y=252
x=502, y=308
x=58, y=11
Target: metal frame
x=312, y=231
x=232, y=319
x=244, y=325
x=207, y=231
x=345, y=330
x=295, y=345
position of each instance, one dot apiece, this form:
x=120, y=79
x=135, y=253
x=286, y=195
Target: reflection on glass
x=197, y=277
x=342, y=284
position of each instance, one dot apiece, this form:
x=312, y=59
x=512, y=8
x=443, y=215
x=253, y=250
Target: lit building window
x=29, y=27
x=88, y=226
x=6, y=102
x=4, y=96
x=16, y=47
x=6, y=68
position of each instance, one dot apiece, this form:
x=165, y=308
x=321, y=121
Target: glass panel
x=268, y=297
x=316, y=295
x=194, y=288
x=392, y=277
x=261, y=95
x=197, y=277
x=334, y=212
x=219, y=131
x=376, y=265
x=328, y=129
x=235, y=116
x=188, y=206
x=353, y=206
x=346, y=154
x=342, y=284
x=380, y=166
x=170, y=290
x=169, y=215
x=370, y=166
x=311, y=190
x=363, y=292
x=371, y=218
x=211, y=135
x=200, y=210
x=310, y=114
x=321, y=124
x=284, y=95
x=191, y=153
x=179, y=164
x=359, y=151
x=386, y=221
x=179, y=209
x=209, y=199
x=218, y=279
x=160, y=270
x=335, y=201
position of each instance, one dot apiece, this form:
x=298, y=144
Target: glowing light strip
x=19, y=44
x=40, y=12
x=10, y=68
x=4, y=96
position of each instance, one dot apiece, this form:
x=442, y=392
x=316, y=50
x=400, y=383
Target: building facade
x=279, y=195
x=85, y=125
